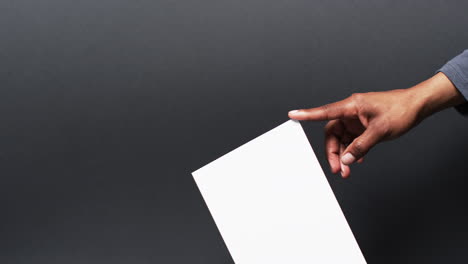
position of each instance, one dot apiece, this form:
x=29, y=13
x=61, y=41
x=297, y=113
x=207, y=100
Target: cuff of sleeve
x=459, y=82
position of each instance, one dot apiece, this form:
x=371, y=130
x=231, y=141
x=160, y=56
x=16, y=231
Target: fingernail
x=293, y=111
x=348, y=158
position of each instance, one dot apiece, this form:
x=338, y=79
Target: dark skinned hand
x=359, y=122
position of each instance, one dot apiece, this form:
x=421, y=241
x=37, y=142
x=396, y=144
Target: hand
x=360, y=121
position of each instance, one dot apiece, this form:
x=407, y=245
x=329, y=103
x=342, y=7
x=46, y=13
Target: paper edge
x=243, y=145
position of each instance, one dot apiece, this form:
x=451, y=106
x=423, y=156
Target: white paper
x=272, y=203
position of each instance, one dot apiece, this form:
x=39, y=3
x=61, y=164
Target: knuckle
x=359, y=147
x=357, y=97
x=326, y=107
x=328, y=127
x=326, y=110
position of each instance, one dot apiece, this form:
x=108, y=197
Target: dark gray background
x=107, y=106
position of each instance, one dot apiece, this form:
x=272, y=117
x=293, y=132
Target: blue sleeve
x=457, y=71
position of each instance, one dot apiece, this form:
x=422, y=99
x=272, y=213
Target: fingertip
x=344, y=175
x=334, y=162
x=295, y=114
x=345, y=171
x=334, y=169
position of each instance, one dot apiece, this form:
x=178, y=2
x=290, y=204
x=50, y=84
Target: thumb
x=361, y=145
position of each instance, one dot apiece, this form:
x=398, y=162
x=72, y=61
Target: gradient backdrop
x=106, y=107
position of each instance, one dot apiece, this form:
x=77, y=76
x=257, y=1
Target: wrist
x=435, y=94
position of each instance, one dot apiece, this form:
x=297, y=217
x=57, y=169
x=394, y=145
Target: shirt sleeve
x=457, y=72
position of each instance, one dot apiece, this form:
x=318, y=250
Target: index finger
x=341, y=109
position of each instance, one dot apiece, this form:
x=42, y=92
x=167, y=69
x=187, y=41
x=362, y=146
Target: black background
x=106, y=107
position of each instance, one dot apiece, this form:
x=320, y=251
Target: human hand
x=362, y=120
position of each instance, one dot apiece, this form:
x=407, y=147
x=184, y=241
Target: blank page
x=272, y=203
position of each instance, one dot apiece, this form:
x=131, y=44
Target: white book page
x=272, y=203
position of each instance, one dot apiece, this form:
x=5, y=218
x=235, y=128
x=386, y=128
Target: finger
x=333, y=130
x=345, y=170
x=361, y=160
x=361, y=145
x=332, y=151
x=341, y=109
